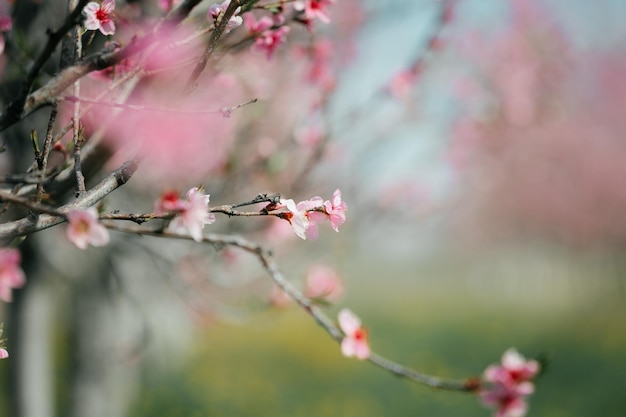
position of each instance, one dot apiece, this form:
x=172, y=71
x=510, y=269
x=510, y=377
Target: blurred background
x=478, y=145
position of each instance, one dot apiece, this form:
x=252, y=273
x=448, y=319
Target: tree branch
x=15, y=109
x=269, y=264
x=34, y=223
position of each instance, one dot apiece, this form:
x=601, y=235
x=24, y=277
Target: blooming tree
x=155, y=105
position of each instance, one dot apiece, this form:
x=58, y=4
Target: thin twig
x=31, y=205
x=213, y=40
x=269, y=264
x=225, y=111
x=77, y=134
x=47, y=145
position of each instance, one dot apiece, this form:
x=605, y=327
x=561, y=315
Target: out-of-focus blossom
x=193, y=214
x=401, y=84
x=11, y=274
x=509, y=384
x=279, y=298
x=6, y=23
x=320, y=70
x=269, y=40
x=99, y=16
x=309, y=137
x=314, y=217
x=514, y=366
x=3, y=352
x=323, y=282
x=170, y=201
x=215, y=10
x=84, y=228
x=184, y=138
x=354, y=344
x=257, y=26
x=111, y=72
x=314, y=9
x=508, y=400
x=336, y=210
x=168, y=5
x=296, y=217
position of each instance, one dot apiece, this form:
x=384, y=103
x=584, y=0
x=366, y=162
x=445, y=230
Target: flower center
x=102, y=16
x=82, y=226
x=360, y=334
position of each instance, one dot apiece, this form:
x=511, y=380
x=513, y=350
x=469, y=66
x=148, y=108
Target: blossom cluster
x=509, y=384
x=267, y=39
x=305, y=215
x=269, y=32
x=6, y=23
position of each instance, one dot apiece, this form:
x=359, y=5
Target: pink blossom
x=6, y=23
x=305, y=216
x=279, y=19
x=323, y=282
x=320, y=71
x=184, y=137
x=257, y=26
x=309, y=137
x=509, y=384
x=215, y=10
x=401, y=84
x=168, y=5
x=3, y=352
x=517, y=367
x=509, y=400
x=169, y=201
x=336, y=210
x=296, y=217
x=314, y=9
x=99, y=16
x=11, y=275
x=314, y=217
x=84, y=228
x=269, y=40
x=193, y=214
x=355, y=341
x=279, y=298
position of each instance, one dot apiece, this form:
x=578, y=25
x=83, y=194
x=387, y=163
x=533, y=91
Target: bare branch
x=270, y=265
x=36, y=223
x=213, y=40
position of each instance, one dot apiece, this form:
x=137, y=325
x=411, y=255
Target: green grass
x=451, y=320
x=281, y=364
